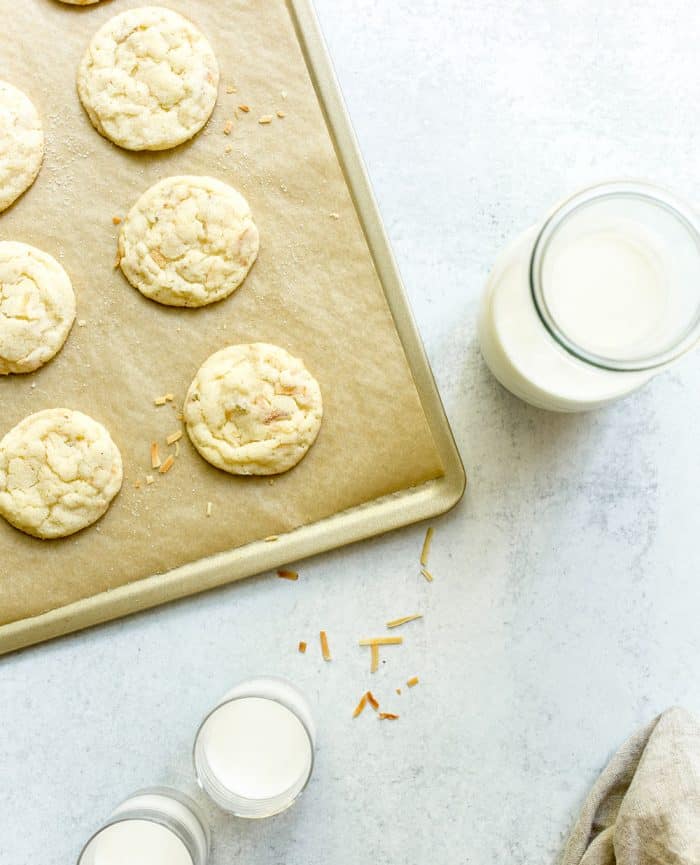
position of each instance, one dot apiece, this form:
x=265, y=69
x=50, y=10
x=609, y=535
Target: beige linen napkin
x=645, y=807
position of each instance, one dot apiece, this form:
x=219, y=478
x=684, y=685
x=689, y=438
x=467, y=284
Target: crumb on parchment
x=155, y=456
x=167, y=465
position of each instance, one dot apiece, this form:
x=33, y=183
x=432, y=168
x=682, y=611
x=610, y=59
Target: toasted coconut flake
x=231, y=88
x=325, y=651
x=160, y=400
x=276, y=414
x=167, y=465
x=271, y=538
x=150, y=480
x=244, y=108
x=281, y=114
x=372, y=700
x=169, y=397
x=394, y=623
x=426, y=573
x=374, y=658
x=387, y=716
x=210, y=507
x=159, y=258
x=116, y=220
x=228, y=126
x=424, y=553
x=155, y=456
x=174, y=437
x=359, y=709
x=302, y=646
x=288, y=575
x=382, y=641
x=413, y=681
x=265, y=119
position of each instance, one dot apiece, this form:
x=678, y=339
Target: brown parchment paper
x=313, y=291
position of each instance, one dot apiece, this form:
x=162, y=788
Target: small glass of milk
x=254, y=752
x=592, y=303
x=157, y=826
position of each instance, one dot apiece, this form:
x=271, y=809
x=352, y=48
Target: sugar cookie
x=37, y=307
x=188, y=241
x=21, y=144
x=253, y=409
x=148, y=80
x=59, y=471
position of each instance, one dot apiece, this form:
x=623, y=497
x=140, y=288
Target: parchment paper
x=313, y=291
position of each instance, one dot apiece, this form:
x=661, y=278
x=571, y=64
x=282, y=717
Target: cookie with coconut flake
x=148, y=79
x=21, y=144
x=37, y=307
x=253, y=409
x=188, y=241
x=59, y=471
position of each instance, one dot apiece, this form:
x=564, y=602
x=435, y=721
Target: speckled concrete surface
x=565, y=606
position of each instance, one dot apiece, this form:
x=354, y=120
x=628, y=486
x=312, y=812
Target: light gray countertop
x=565, y=607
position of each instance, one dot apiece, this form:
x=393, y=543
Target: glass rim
x=151, y=815
x=566, y=208
x=312, y=761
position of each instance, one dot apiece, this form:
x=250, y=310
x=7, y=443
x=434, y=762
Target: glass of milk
x=591, y=304
x=157, y=826
x=254, y=752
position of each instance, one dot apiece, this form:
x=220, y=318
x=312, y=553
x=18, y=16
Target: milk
x=525, y=358
x=616, y=283
x=254, y=753
x=157, y=826
x=609, y=288
x=138, y=842
x=257, y=748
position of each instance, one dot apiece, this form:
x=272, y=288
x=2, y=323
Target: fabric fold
x=644, y=809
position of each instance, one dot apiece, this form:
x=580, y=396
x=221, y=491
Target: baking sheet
x=314, y=291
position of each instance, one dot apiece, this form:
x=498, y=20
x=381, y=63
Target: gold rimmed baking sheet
x=325, y=287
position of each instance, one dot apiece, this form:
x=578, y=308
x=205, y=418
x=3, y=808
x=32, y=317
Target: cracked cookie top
x=188, y=241
x=59, y=471
x=253, y=409
x=149, y=79
x=21, y=144
x=37, y=307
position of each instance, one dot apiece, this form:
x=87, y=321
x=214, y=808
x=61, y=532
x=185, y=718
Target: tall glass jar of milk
x=590, y=305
